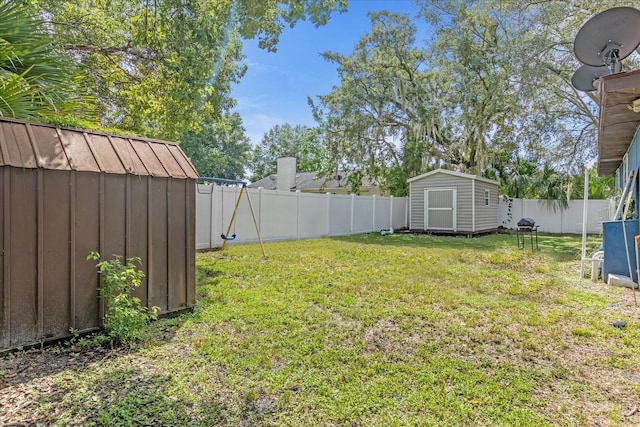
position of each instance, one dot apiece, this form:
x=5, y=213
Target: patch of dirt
x=26, y=374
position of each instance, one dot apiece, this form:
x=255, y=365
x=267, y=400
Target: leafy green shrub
x=124, y=318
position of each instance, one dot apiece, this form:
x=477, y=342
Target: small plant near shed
x=124, y=317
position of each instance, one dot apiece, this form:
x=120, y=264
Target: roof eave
x=617, y=121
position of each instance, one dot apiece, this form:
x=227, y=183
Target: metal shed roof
x=35, y=145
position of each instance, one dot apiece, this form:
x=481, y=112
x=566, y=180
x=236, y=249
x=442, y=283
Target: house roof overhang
x=618, y=121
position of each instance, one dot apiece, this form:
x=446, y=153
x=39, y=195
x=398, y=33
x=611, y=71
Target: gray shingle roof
x=311, y=181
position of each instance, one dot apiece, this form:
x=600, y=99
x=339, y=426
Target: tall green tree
x=219, y=149
x=403, y=108
x=489, y=86
x=36, y=81
x=384, y=119
x=163, y=67
x=478, y=98
x=554, y=119
x=285, y=140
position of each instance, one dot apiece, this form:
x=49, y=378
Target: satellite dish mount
x=611, y=56
x=603, y=42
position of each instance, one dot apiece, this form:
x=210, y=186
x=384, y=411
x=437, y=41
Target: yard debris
x=631, y=412
x=385, y=232
x=620, y=324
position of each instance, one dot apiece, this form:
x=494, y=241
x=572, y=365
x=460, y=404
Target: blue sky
x=276, y=86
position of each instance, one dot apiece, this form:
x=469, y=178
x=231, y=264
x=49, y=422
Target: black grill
x=527, y=226
x=526, y=222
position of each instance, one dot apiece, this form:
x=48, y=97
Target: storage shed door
x=440, y=209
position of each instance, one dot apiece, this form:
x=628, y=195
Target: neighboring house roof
x=311, y=181
x=452, y=173
x=618, y=121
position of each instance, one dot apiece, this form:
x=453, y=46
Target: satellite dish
x=608, y=37
x=585, y=77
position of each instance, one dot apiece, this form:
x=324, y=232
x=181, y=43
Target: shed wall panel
x=158, y=280
x=114, y=221
x=463, y=199
x=176, y=244
x=56, y=253
x=486, y=216
x=4, y=314
x=191, y=241
x=137, y=240
x=23, y=248
x=87, y=239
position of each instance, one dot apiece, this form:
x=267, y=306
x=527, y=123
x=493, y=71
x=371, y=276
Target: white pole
x=585, y=200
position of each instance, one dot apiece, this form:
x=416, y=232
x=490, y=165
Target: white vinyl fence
x=560, y=221
x=285, y=215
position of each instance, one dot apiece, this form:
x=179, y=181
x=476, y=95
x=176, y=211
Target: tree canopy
x=219, y=149
x=475, y=86
x=488, y=86
x=163, y=67
x=285, y=140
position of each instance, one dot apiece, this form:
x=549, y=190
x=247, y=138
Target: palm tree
x=525, y=179
x=600, y=187
x=552, y=187
x=36, y=82
x=517, y=180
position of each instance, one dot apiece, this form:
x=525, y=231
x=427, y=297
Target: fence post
x=212, y=215
x=297, y=214
x=353, y=200
x=260, y=191
x=390, y=212
x=328, y=197
x=407, y=212
x=373, y=215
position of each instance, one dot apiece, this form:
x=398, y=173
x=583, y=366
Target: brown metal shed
x=65, y=193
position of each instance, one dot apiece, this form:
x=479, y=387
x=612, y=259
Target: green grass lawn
x=362, y=331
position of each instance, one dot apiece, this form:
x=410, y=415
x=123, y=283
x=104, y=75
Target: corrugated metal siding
x=65, y=193
x=4, y=206
x=486, y=216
